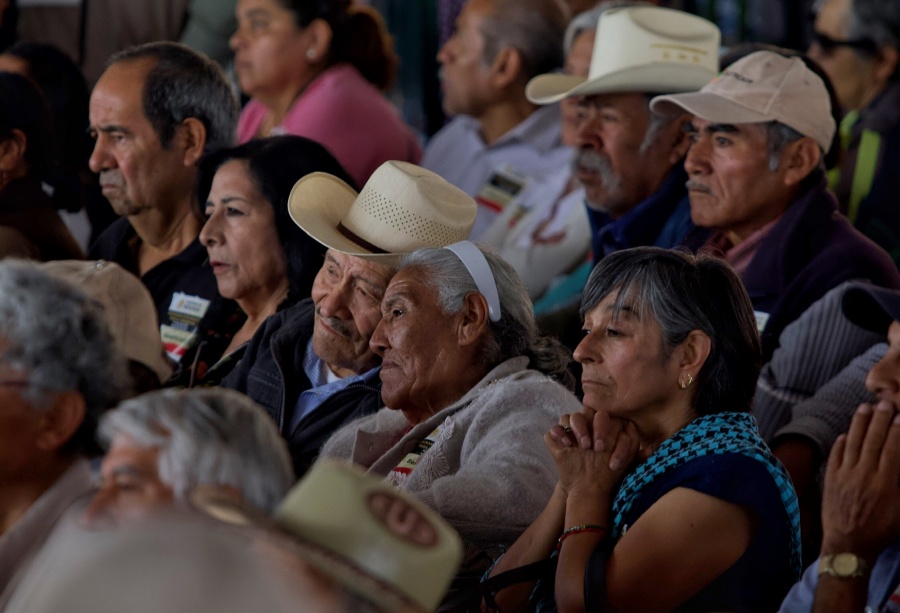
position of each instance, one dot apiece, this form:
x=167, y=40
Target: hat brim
x=317, y=204
x=871, y=308
x=709, y=107
x=650, y=78
x=210, y=501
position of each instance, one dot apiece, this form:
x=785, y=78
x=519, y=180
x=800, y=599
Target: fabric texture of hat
x=870, y=307
x=340, y=513
x=127, y=304
x=759, y=88
x=640, y=49
x=401, y=208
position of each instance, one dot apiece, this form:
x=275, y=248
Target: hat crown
x=640, y=36
x=404, y=207
x=333, y=497
x=640, y=49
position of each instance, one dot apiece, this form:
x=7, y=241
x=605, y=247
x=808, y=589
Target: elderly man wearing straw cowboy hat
x=629, y=158
x=310, y=366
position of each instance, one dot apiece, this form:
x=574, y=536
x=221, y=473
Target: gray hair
x=875, y=20
x=682, y=293
x=516, y=332
x=587, y=21
x=183, y=84
x=533, y=27
x=779, y=136
x=655, y=126
x=60, y=338
x=209, y=436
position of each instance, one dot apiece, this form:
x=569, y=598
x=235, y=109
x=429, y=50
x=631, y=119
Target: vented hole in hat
x=402, y=220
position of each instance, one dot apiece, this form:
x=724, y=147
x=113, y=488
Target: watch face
x=845, y=564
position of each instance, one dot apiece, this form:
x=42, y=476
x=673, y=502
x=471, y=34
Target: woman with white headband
x=470, y=388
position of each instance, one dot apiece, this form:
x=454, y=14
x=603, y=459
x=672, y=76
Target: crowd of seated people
x=628, y=339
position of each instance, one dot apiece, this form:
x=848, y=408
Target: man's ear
x=192, y=133
x=61, y=420
x=886, y=63
x=798, y=159
x=474, y=319
x=679, y=139
x=506, y=68
x=12, y=150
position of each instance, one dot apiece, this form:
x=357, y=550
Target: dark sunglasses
x=828, y=44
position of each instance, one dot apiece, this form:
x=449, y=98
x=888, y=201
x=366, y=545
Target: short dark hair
x=181, y=84
x=276, y=164
x=535, y=28
x=684, y=292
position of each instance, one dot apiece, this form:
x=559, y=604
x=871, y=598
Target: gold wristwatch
x=844, y=565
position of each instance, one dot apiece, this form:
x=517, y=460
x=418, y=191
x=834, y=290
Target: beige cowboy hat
x=640, y=49
x=362, y=532
x=401, y=208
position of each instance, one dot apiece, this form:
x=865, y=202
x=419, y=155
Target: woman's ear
x=62, y=420
x=474, y=319
x=694, y=352
x=12, y=151
x=318, y=36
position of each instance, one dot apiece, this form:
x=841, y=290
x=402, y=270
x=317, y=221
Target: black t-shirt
x=183, y=287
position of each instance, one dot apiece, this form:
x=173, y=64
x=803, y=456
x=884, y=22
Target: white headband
x=477, y=265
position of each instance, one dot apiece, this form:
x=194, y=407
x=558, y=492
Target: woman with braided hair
x=668, y=499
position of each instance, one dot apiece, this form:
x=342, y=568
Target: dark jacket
x=868, y=182
x=271, y=373
x=663, y=219
x=810, y=250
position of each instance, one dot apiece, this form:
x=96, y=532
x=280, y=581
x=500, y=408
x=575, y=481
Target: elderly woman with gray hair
x=168, y=445
x=469, y=387
x=59, y=370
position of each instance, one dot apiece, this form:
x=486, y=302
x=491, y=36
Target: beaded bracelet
x=579, y=530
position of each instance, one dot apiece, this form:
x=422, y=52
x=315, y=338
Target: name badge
x=501, y=188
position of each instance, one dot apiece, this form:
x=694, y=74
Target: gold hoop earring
x=690, y=380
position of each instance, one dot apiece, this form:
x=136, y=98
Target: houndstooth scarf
x=710, y=435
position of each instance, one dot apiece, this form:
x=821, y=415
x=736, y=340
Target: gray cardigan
x=488, y=473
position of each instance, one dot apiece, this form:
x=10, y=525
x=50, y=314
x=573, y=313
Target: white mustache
x=112, y=178
x=697, y=187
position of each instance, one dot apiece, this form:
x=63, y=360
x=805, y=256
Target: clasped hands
x=593, y=449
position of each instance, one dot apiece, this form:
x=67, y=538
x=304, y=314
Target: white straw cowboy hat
x=401, y=208
x=640, y=49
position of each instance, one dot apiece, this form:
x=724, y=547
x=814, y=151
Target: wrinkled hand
x=861, y=498
x=592, y=449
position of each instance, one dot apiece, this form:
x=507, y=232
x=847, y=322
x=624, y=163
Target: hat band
x=350, y=234
x=480, y=271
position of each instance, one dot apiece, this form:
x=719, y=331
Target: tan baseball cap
x=761, y=87
x=127, y=304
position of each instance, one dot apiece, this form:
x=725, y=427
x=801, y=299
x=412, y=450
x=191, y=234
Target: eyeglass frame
x=828, y=45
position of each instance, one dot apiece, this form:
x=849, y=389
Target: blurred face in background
x=578, y=62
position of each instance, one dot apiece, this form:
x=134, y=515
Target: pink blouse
x=347, y=115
